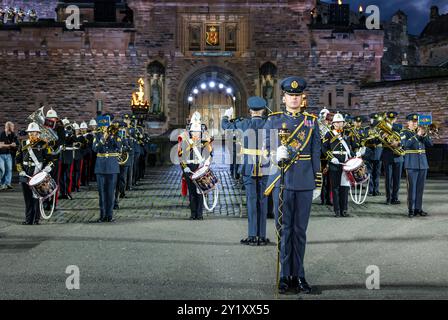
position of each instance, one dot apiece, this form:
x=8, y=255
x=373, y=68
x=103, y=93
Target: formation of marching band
x=59, y=156
x=291, y=155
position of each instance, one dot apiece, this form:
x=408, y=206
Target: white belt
x=339, y=152
x=193, y=162
x=70, y=148
x=30, y=164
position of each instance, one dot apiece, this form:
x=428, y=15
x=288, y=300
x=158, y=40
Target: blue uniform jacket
x=415, y=147
x=253, y=139
x=106, y=165
x=303, y=171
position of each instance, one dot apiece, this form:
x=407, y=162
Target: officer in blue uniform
x=393, y=164
x=372, y=158
x=253, y=179
x=107, y=145
x=302, y=177
x=415, y=141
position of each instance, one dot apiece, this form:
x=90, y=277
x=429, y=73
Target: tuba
x=46, y=134
x=388, y=136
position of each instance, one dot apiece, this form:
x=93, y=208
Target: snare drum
x=204, y=179
x=43, y=185
x=356, y=171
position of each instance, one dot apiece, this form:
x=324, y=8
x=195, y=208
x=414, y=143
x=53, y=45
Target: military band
x=284, y=156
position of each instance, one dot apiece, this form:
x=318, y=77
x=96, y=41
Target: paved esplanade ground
x=154, y=252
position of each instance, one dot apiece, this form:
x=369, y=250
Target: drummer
x=194, y=151
x=31, y=158
x=338, y=147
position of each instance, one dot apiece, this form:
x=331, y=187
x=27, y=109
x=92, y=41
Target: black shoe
x=200, y=218
x=377, y=193
x=122, y=195
x=263, y=241
x=329, y=203
x=371, y=194
x=337, y=215
x=110, y=220
x=36, y=222
x=100, y=220
x=303, y=286
x=63, y=196
x=9, y=187
x=116, y=207
x=388, y=202
x=283, y=285
x=248, y=240
x=396, y=202
x=192, y=218
x=253, y=241
x=344, y=214
x=26, y=223
x=421, y=213
x=411, y=214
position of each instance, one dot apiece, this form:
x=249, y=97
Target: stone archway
x=214, y=98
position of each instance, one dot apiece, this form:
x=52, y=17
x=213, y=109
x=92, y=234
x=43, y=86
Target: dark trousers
x=106, y=188
x=416, y=179
x=76, y=174
x=296, y=214
x=32, y=213
x=64, y=182
x=129, y=181
x=121, y=184
x=85, y=174
x=374, y=168
x=257, y=205
x=196, y=199
x=392, y=172
x=325, y=195
x=136, y=169
x=340, y=193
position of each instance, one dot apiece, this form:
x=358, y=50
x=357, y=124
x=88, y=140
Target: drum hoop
x=44, y=176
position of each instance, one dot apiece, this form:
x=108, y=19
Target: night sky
x=416, y=10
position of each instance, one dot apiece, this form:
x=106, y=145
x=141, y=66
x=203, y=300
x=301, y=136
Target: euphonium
x=388, y=136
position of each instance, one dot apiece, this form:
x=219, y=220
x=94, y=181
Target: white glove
x=187, y=170
x=207, y=162
x=335, y=161
x=316, y=193
x=47, y=169
x=282, y=153
x=229, y=113
x=362, y=150
x=22, y=173
x=358, y=154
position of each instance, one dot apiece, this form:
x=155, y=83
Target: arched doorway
x=211, y=90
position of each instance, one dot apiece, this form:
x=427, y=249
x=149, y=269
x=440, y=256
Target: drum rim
x=42, y=173
x=346, y=168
